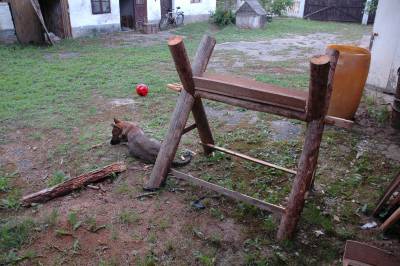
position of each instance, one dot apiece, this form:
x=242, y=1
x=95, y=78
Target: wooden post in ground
x=322, y=69
x=395, y=121
x=186, y=103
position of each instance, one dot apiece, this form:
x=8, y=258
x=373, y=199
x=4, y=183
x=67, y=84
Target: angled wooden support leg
x=185, y=104
x=322, y=69
x=200, y=63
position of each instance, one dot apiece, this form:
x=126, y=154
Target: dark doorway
x=127, y=14
x=140, y=11
x=56, y=17
x=165, y=6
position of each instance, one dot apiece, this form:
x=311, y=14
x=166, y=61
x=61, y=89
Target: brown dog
x=139, y=145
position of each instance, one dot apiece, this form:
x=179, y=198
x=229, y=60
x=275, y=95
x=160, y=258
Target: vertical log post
x=395, y=121
x=322, y=69
x=184, y=105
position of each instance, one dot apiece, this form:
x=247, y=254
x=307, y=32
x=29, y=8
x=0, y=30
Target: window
x=101, y=6
x=195, y=1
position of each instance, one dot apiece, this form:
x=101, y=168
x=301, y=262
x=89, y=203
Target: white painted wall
x=154, y=11
x=6, y=22
x=195, y=11
x=385, y=54
x=81, y=14
x=297, y=9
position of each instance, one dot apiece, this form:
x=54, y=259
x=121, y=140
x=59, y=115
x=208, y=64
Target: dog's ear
x=116, y=120
x=115, y=125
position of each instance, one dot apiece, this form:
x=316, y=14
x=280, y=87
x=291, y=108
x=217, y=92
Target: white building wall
x=385, y=54
x=297, y=9
x=154, y=11
x=83, y=22
x=6, y=22
x=195, y=11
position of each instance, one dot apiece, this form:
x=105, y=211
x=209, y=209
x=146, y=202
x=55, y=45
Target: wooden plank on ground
x=229, y=193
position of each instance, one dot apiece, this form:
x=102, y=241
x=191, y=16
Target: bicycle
x=171, y=18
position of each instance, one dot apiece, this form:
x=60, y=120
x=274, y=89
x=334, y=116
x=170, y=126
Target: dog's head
x=119, y=132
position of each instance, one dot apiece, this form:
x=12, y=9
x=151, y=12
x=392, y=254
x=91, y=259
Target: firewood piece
x=73, y=184
x=322, y=70
x=93, y=187
x=395, y=121
x=186, y=103
x=391, y=220
x=148, y=194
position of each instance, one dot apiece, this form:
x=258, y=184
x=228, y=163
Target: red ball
x=142, y=89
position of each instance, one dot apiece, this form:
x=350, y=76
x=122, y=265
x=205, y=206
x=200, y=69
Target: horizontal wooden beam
x=329, y=120
x=251, y=90
x=260, y=107
x=339, y=122
x=189, y=128
x=229, y=193
x=249, y=158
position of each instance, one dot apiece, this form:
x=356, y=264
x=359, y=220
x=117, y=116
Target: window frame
x=195, y=1
x=101, y=7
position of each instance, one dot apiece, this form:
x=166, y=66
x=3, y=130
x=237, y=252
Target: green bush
x=222, y=18
x=276, y=7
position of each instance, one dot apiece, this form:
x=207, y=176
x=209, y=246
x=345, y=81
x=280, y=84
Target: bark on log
x=72, y=184
x=186, y=103
x=395, y=121
x=200, y=63
x=321, y=70
x=391, y=220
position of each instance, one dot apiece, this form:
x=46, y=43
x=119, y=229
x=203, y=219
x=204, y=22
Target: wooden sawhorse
x=311, y=108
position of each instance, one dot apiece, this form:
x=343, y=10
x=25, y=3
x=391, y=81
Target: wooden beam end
x=174, y=40
x=320, y=59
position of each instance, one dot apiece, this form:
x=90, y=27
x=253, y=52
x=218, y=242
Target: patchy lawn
x=56, y=104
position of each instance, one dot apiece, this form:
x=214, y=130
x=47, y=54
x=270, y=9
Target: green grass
x=56, y=179
x=128, y=217
x=13, y=234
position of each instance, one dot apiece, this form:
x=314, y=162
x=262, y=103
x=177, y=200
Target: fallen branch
x=72, y=184
x=148, y=194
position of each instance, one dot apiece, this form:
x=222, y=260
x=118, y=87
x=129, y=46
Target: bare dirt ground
x=119, y=229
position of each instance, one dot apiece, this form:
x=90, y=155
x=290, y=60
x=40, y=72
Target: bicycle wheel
x=163, y=25
x=179, y=20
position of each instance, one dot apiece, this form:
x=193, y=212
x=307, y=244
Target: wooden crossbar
x=252, y=90
x=189, y=128
x=249, y=158
x=329, y=120
x=229, y=193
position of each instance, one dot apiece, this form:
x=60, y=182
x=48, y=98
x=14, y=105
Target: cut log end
x=320, y=60
x=174, y=40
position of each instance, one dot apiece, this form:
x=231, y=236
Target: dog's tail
x=187, y=158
